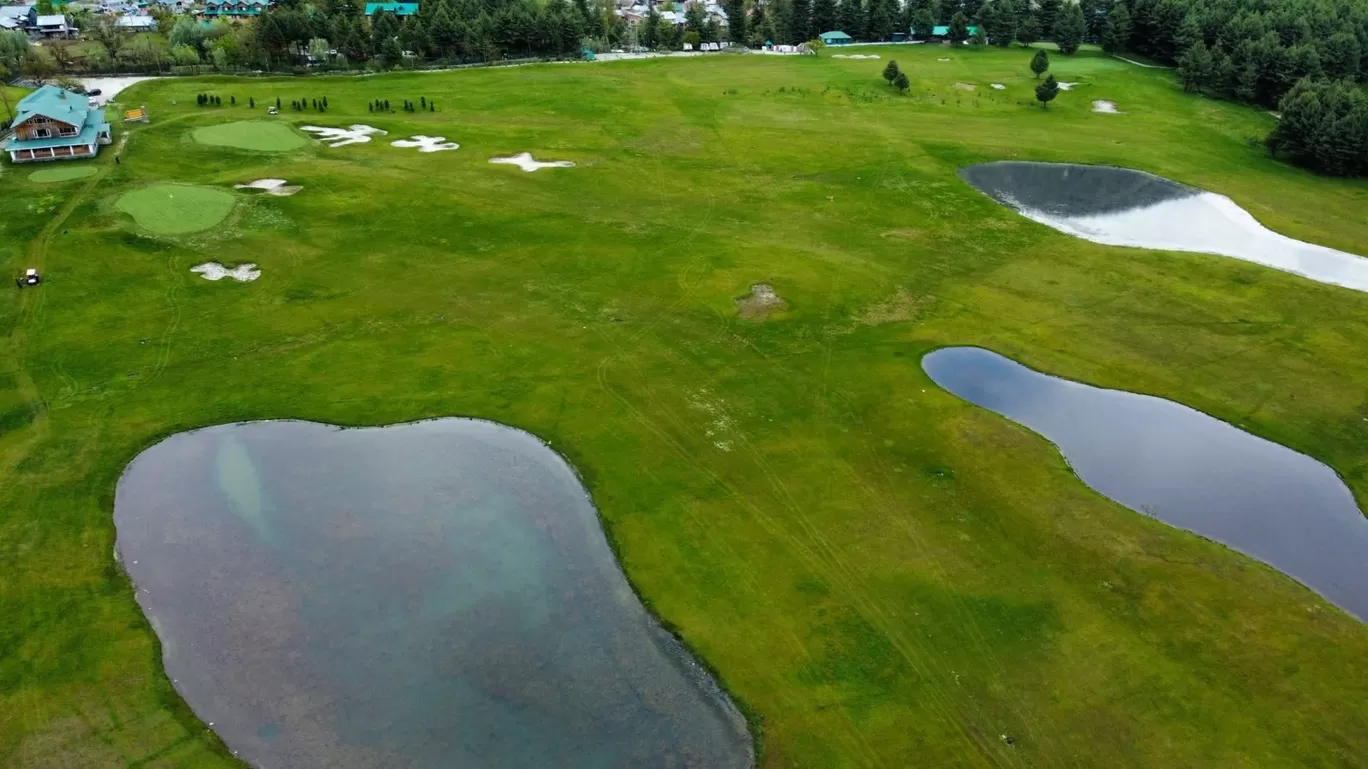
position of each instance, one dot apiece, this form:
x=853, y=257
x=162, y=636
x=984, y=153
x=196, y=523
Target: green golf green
x=61, y=174
x=257, y=135
x=173, y=209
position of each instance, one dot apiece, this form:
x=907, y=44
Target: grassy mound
x=173, y=209
x=61, y=174
x=258, y=135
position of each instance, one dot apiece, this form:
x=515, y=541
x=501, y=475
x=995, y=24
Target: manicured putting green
x=61, y=174
x=257, y=135
x=174, y=209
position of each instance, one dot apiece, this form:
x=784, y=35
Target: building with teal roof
x=398, y=9
x=56, y=124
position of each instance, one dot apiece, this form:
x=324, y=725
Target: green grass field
x=257, y=135
x=883, y=574
x=175, y=209
x=62, y=173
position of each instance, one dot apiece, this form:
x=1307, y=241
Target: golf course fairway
x=879, y=573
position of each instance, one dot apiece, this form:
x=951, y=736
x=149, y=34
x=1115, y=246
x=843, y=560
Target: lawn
x=256, y=135
x=175, y=209
x=63, y=172
x=883, y=574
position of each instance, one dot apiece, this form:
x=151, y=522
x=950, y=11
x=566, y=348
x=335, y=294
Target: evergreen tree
x=1117, y=32
x=882, y=16
x=999, y=19
x=251, y=103
x=1040, y=63
x=980, y=36
x=1094, y=17
x=799, y=18
x=736, y=20
x=1047, y=11
x=649, y=35
x=890, y=71
x=445, y=37
x=902, y=82
x=756, y=24
x=850, y=16
x=1196, y=67
x=1069, y=29
x=1324, y=126
x=1029, y=31
x=959, y=28
x=923, y=21
x=824, y=16
x=1047, y=91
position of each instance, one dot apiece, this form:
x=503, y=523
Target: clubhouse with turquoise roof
x=398, y=9
x=56, y=124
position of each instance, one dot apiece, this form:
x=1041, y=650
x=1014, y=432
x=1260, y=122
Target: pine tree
x=736, y=20
x=1047, y=91
x=823, y=16
x=251, y=103
x=1195, y=67
x=959, y=28
x=1069, y=29
x=901, y=81
x=1029, y=31
x=1116, y=35
x=890, y=71
x=1001, y=24
x=882, y=16
x=800, y=21
x=1040, y=63
x=923, y=21
x=1048, y=12
x=980, y=35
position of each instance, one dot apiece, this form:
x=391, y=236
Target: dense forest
x=1256, y=51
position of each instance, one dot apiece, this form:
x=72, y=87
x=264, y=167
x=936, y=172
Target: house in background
x=234, y=8
x=18, y=17
x=55, y=124
x=54, y=26
x=137, y=23
x=836, y=38
x=398, y=9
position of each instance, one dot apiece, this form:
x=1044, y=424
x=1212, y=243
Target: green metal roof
x=398, y=9
x=54, y=103
x=834, y=35
x=94, y=126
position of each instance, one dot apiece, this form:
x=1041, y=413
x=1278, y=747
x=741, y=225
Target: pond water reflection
x=436, y=594
x=1183, y=467
x=1122, y=207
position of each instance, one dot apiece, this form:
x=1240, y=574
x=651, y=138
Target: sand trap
x=854, y=56
x=942, y=60
x=1067, y=86
x=341, y=137
x=524, y=161
x=276, y=187
x=1109, y=107
x=427, y=143
x=998, y=86
x=761, y=302
x=243, y=273
x=964, y=86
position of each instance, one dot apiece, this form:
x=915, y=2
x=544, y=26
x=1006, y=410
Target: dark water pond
x=1183, y=467
x=1122, y=207
x=437, y=594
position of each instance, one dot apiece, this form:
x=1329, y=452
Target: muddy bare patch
x=904, y=233
x=903, y=305
x=761, y=302
x=965, y=86
x=276, y=187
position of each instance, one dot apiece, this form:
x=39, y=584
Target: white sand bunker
x=1067, y=86
x=964, y=86
x=341, y=137
x=270, y=187
x=524, y=161
x=998, y=86
x=1109, y=107
x=854, y=56
x=942, y=60
x=243, y=273
x=427, y=143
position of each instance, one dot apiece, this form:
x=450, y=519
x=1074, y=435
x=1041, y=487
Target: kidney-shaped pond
x=436, y=594
x=1122, y=207
x=1183, y=467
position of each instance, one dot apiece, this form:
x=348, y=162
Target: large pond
x=1183, y=467
x=1121, y=207
x=437, y=594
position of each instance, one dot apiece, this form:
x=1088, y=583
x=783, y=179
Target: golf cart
x=272, y=111
x=31, y=278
